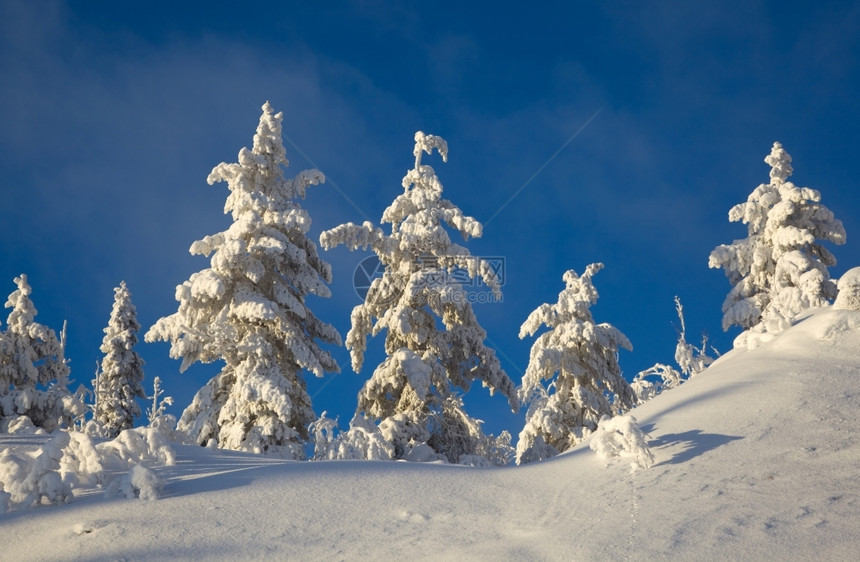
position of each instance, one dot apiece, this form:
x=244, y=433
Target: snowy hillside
x=756, y=459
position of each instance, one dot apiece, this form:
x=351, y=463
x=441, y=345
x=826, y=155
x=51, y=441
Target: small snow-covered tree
x=159, y=405
x=779, y=269
x=580, y=358
x=120, y=380
x=34, y=374
x=248, y=308
x=434, y=344
x=691, y=360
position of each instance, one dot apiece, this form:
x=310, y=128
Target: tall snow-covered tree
x=434, y=344
x=580, y=358
x=248, y=308
x=780, y=268
x=120, y=380
x=34, y=375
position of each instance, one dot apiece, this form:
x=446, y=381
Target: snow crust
x=754, y=459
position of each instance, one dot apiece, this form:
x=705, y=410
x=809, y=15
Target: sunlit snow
x=756, y=459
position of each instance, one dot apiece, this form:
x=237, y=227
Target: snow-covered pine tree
x=582, y=357
x=779, y=269
x=120, y=380
x=434, y=344
x=34, y=375
x=249, y=309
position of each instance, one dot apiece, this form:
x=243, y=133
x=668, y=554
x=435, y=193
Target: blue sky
x=112, y=116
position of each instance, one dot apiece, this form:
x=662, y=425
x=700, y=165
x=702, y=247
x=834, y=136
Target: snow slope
x=756, y=459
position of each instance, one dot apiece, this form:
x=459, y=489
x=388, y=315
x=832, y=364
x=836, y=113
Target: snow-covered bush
x=849, y=290
x=140, y=444
x=779, y=269
x=362, y=441
x=20, y=425
x=248, y=308
x=141, y=482
x=654, y=380
x=29, y=481
x=580, y=358
x=120, y=380
x=34, y=374
x=434, y=344
x=70, y=459
x=82, y=462
x=621, y=437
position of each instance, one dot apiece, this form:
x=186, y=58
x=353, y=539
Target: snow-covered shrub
x=21, y=425
x=362, y=441
x=140, y=444
x=323, y=432
x=120, y=380
x=141, y=482
x=82, y=463
x=70, y=459
x=13, y=472
x=248, y=308
x=580, y=358
x=653, y=381
x=779, y=269
x=621, y=437
x=849, y=290
x=434, y=344
x=30, y=480
x=34, y=374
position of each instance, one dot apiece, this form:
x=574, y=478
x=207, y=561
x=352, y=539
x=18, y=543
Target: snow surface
x=757, y=458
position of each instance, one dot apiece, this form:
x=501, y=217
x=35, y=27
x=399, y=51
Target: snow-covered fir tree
x=580, y=358
x=248, y=308
x=120, y=379
x=780, y=268
x=34, y=374
x=434, y=344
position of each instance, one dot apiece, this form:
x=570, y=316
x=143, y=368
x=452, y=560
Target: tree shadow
x=693, y=443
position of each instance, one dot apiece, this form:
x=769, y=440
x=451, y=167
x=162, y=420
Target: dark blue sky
x=111, y=117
